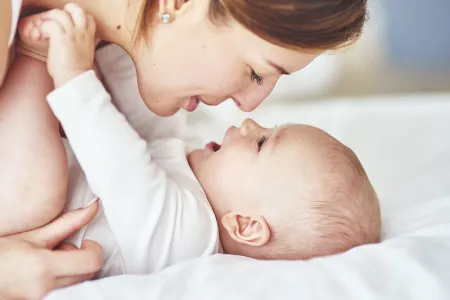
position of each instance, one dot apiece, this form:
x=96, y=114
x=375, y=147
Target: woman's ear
x=250, y=230
x=166, y=10
x=170, y=9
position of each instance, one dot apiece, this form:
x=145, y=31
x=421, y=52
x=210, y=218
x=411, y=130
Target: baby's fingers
x=51, y=29
x=29, y=27
x=77, y=14
x=90, y=24
x=62, y=17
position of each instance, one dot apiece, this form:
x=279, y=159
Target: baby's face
x=255, y=164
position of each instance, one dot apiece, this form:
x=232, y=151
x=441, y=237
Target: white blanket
x=404, y=144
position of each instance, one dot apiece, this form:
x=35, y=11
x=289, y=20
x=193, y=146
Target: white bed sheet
x=404, y=145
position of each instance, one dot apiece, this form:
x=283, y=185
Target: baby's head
x=292, y=192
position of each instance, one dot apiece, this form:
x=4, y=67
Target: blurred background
x=405, y=48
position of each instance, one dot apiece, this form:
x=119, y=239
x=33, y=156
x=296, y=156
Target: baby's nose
x=247, y=126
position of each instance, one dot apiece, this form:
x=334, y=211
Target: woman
x=185, y=52
x=194, y=51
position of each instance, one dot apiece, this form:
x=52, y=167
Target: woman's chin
x=161, y=108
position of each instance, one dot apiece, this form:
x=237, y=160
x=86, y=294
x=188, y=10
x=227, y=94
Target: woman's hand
x=30, y=268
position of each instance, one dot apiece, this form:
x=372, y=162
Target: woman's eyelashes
x=256, y=78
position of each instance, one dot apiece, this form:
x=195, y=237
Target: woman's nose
x=251, y=97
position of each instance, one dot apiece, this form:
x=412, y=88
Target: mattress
x=403, y=142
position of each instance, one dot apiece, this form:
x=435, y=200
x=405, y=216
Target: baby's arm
x=147, y=212
x=140, y=202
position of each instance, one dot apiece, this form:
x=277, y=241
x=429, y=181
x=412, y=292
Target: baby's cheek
x=233, y=173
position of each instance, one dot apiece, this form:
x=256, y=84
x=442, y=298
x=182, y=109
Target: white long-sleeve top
x=154, y=212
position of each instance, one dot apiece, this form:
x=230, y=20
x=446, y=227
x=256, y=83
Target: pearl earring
x=166, y=18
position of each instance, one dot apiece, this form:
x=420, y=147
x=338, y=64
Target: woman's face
x=192, y=61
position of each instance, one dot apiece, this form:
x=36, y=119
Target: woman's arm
x=5, y=29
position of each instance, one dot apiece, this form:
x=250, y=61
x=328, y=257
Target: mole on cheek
x=118, y=27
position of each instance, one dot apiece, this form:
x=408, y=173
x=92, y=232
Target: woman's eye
x=261, y=142
x=256, y=78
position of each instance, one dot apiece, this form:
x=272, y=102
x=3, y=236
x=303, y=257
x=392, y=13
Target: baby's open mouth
x=213, y=146
x=216, y=147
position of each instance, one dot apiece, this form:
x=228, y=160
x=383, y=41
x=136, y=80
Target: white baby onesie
x=153, y=210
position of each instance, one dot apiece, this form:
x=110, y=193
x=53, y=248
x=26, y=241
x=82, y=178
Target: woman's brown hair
x=293, y=24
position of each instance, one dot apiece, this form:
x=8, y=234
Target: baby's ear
x=250, y=230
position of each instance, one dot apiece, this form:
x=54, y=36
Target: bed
x=404, y=143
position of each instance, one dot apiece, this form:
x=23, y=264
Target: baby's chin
x=200, y=167
x=194, y=160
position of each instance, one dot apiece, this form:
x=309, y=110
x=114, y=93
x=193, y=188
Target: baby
x=292, y=192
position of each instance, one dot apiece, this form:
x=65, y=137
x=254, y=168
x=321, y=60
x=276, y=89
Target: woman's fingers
x=55, y=232
x=66, y=247
x=70, y=280
x=84, y=261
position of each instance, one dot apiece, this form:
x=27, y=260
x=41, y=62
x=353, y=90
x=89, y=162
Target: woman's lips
x=202, y=100
x=192, y=103
x=237, y=103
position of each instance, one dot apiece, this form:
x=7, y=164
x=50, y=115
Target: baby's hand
x=71, y=34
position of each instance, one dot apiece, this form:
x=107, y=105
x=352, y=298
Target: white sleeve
x=148, y=213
